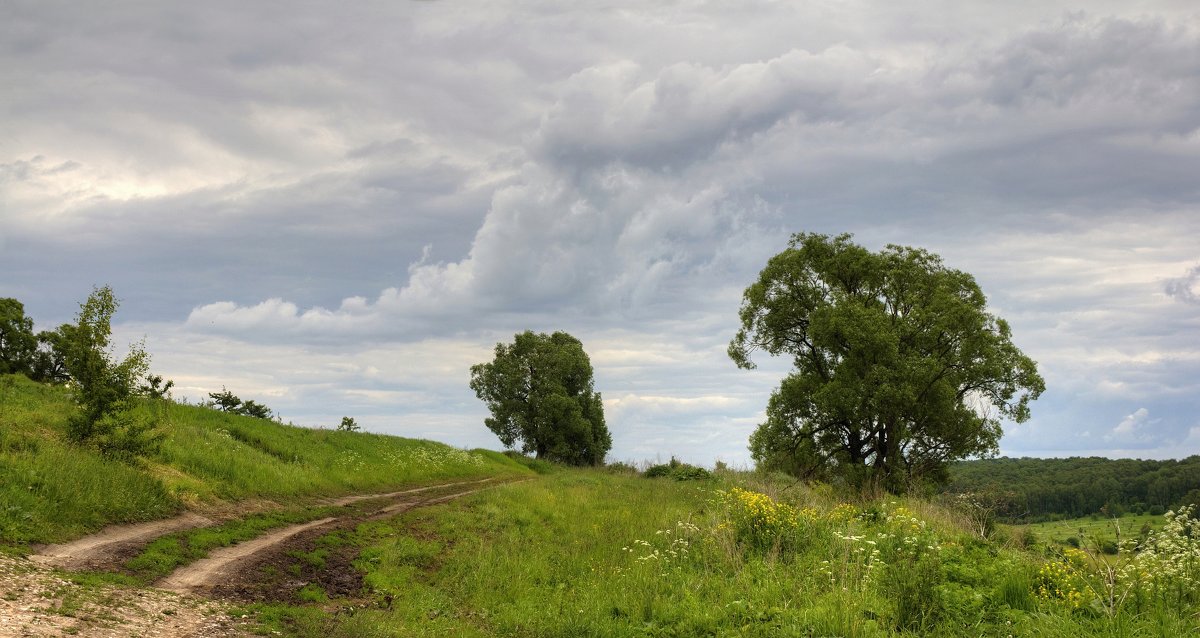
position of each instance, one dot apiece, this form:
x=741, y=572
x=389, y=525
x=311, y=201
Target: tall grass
x=586, y=553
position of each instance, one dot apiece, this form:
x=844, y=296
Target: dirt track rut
x=108, y=547
x=97, y=548
x=224, y=564
x=33, y=595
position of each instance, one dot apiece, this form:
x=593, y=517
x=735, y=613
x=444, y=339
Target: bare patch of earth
x=36, y=601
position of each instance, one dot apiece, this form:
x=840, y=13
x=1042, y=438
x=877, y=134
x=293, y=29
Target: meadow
x=599, y=552
x=1093, y=531
x=604, y=554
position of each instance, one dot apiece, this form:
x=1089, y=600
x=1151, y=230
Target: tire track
x=113, y=545
x=224, y=565
x=96, y=548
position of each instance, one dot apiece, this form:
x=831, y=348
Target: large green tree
x=540, y=392
x=898, y=366
x=50, y=360
x=17, y=341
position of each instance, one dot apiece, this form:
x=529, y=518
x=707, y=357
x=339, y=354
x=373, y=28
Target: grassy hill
x=597, y=553
x=51, y=490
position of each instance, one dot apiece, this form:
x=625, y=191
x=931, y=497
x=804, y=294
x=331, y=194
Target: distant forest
x=1035, y=490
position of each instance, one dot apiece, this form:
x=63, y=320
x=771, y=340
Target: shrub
x=1057, y=582
x=105, y=389
x=229, y=402
x=677, y=470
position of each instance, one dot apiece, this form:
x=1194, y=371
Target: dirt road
x=35, y=601
x=111, y=546
x=224, y=565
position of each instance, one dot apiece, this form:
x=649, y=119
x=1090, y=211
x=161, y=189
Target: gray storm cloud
x=1185, y=288
x=301, y=187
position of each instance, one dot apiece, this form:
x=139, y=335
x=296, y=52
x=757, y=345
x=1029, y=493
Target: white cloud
x=1130, y=427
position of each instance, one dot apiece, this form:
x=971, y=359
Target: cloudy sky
x=337, y=208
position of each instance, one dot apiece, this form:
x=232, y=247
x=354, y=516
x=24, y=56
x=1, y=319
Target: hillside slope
x=51, y=490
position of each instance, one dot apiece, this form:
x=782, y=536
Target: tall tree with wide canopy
x=898, y=367
x=17, y=341
x=539, y=391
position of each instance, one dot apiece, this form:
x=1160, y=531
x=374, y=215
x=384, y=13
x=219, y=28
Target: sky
x=336, y=209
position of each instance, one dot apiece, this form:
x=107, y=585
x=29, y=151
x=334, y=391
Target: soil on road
x=37, y=601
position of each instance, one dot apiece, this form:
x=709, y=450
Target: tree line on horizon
x=1036, y=490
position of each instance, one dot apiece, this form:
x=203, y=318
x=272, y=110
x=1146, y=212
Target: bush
x=229, y=402
x=677, y=470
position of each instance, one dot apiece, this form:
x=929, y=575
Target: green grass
x=51, y=490
x=588, y=553
x=1087, y=531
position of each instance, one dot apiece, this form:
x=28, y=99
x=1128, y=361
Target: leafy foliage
x=254, y=409
x=539, y=390
x=103, y=388
x=50, y=360
x=348, y=424
x=229, y=402
x=225, y=400
x=155, y=388
x=17, y=341
x=898, y=368
x=678, y=470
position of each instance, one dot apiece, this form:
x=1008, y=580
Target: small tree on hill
x=348, y=424
x=225, y=400
x=539, y=391
x=228, y=402
x=255, y=409
x=104, y=388
x=155, y=388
